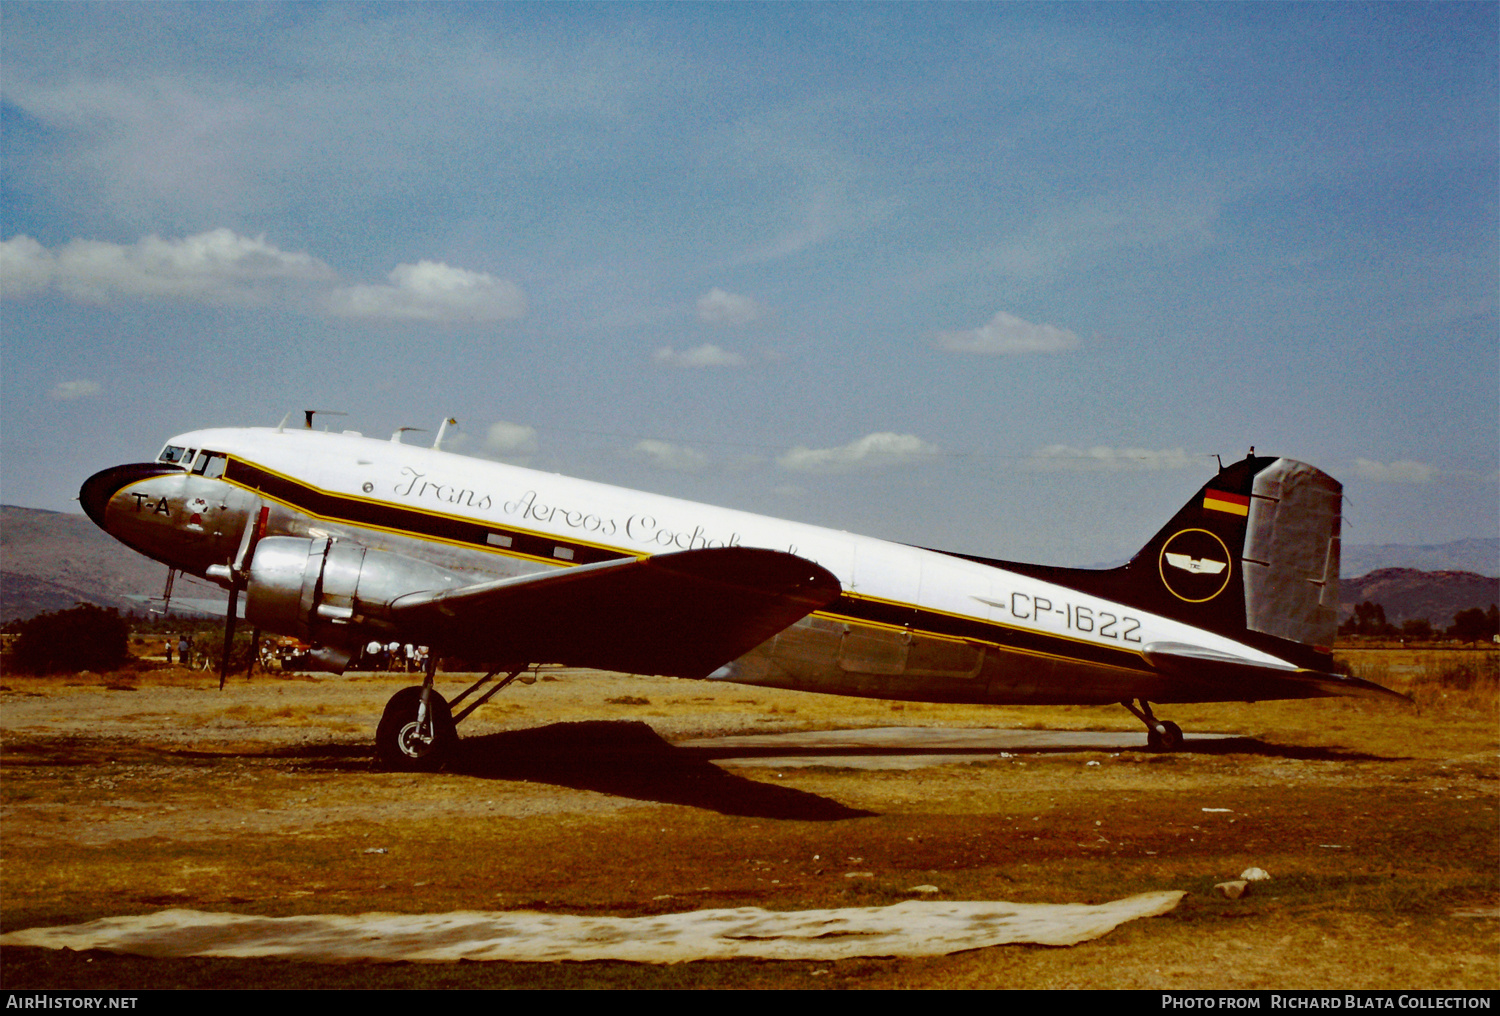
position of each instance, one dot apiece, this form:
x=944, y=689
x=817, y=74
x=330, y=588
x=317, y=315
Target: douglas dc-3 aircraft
x=340, y=539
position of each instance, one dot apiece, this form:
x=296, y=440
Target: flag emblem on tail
x=1223, y=501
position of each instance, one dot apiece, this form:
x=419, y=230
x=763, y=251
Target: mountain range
x=51, y=560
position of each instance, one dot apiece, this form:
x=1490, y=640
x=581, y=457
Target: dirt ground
x=135, y=792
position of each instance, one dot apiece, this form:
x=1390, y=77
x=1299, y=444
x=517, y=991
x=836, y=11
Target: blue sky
x=995, y=278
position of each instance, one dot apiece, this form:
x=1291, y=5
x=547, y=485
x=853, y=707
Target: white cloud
x=873, y=451
x=1104, y=459
x=706, y=355
x=1402, y=471
x=68, y=391
x=26, y=267
x=219, y=266
x=458, y=442
x=510, y=440
x=717, y=307
x=432, y=291
x=1005, y=334
x=665, y=455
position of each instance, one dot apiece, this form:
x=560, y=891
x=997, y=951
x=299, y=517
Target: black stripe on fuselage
x=922, y=621
x=416, y=522
x=543, y=547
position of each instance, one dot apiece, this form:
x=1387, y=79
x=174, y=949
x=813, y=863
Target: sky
x=995, y=278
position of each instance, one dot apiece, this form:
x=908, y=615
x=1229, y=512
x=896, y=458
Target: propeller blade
x=229, y=619
x=254, y=653
x=237, y=572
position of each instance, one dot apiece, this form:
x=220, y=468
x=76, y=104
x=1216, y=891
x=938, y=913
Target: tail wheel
x=406, y=745
x=1161, y=735
x=1168, y=738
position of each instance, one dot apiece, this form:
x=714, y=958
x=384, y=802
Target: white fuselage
x=911, y=623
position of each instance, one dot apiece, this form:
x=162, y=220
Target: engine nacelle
x=331, y=592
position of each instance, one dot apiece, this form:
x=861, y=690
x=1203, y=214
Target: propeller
x=237, y=575
x=229, y=619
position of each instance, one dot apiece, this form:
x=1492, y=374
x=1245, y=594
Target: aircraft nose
x=96, y=491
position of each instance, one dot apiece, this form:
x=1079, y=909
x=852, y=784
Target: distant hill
x=50, y=561
x=1480, y=556
x=1408, y=594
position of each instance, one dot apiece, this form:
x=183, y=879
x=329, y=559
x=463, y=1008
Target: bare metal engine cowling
x=331, y=592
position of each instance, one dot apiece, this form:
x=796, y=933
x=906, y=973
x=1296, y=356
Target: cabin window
x=210, y=465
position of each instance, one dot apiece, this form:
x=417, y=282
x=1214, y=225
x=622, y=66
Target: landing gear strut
x=1161, y=735
x=418, y=731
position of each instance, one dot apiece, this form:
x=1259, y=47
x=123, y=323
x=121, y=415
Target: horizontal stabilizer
x=683, y=614
x=1257, y=680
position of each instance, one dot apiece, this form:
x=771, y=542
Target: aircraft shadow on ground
x=1302, y=753
x=1224, y=746
x=578, y=755
x=626, y=758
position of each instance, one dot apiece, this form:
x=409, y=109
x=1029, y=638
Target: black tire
x=396, y=744
x=1171, y=739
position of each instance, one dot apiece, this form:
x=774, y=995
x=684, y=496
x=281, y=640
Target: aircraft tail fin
x=1253, y=556
x=1255, y=550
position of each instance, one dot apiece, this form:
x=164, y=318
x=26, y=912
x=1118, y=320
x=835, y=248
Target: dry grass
x=1377, y=821
x=1453, y=680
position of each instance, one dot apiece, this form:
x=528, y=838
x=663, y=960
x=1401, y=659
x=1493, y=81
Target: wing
x=1232, y=677
x=684, y=614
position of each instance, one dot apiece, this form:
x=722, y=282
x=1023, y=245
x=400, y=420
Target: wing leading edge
x=683, y=614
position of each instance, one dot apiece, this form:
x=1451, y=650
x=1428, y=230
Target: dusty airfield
x=134, y=793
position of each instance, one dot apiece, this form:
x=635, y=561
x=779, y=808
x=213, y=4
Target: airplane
x=338, y=539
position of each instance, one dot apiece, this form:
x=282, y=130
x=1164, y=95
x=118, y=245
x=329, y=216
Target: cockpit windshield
x=176, y=455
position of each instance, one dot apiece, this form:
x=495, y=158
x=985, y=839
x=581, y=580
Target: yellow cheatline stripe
x=412, y=535
x=984, y=643
x=557, y=562
x=503, y=552
x=976, y=620
x=943, y=637
x=403, y=533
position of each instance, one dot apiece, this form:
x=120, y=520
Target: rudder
x=1255, y=550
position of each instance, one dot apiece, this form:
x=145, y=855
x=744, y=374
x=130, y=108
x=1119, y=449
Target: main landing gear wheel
x=406, y=742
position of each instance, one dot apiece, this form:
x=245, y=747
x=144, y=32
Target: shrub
x=1475, y=625
x=85, y=637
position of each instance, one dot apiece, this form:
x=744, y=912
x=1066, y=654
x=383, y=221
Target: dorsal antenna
x=307, y=415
